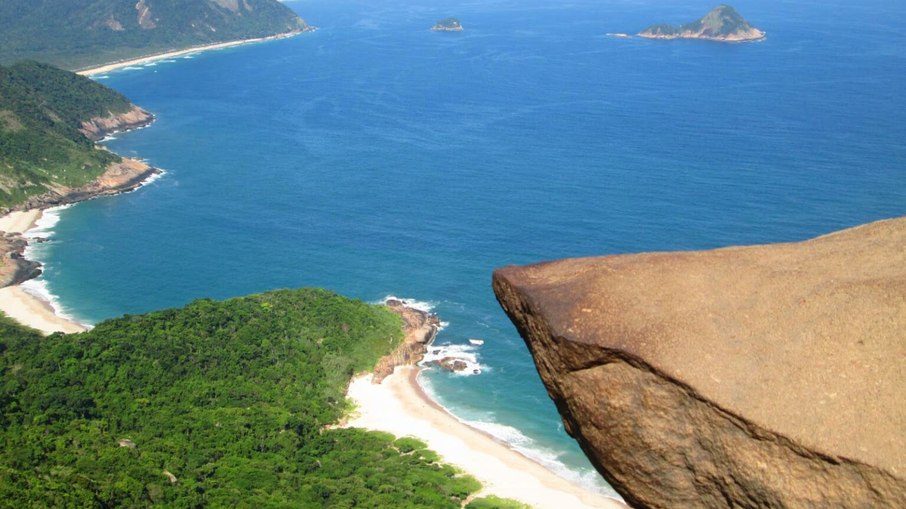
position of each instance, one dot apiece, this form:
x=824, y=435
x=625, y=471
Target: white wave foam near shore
x=465, y=353
x=38, y=237
x=423, y=306
x=525, y=445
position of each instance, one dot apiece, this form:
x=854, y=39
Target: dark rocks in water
x=761, y=376
x=15, y=269
x=451, y=364
x=448, y=25
x=420, y=328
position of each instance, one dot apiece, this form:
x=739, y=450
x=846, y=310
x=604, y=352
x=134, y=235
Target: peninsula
x=721, y=24
x=448, y=25
x=88, y=33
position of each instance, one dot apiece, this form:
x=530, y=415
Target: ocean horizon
x=377, y=158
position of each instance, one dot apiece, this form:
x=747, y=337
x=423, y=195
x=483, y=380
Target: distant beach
x=178, y=53
x=400, y=406
x=21, y=305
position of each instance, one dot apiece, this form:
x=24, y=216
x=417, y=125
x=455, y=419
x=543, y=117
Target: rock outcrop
x=762, y=376
x=721, y=24
x=447, y=25
x=97, y=128
x=14, y=268
x=120, y=177
x=420, y=327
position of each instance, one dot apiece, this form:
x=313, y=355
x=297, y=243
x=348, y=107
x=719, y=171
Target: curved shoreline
x=25, y=307
x=401, y=406
x=112, y=66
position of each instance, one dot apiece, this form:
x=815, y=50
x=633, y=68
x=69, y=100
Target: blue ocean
x=375, y=157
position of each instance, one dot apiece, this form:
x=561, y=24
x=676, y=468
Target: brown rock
x=451, y=364
x=14, y=268
x=96, y=128
x=420, y=329
x=762, y=376
x=120, y=177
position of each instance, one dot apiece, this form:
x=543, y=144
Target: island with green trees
x=448, y=25
x=722, y=24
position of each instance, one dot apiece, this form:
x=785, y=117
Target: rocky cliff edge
x=762, y=376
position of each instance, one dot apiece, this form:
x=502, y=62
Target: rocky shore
x=98, y=128
x=14, y=268
x=121, y=177
x=420, y=328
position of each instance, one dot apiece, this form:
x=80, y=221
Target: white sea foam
x=39, y=289
x=35, y=250
x=426, y=307
x=151, y=64
x=528, y=447
x=154, y=177
x=465, y=353
x=104, y=77
x=44, y=225
x=131, y=68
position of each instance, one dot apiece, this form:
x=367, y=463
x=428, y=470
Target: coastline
x=16, y=302
x=503, y=471
x=399, y=405
x=112, y=66
x=30, y=308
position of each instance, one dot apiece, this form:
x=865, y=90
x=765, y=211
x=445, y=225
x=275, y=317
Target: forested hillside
x=41, y=110
x=73, y=34
x=218, y=404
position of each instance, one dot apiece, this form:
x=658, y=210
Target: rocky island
x=448, y=25
x=760, y=376
x=722, y=24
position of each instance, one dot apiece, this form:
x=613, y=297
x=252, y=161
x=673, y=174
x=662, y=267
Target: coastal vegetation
x=722, y=23
x=41, y=147
x=218, y=403
x=75, y=34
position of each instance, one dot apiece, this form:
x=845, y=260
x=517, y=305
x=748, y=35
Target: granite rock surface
x=760, y=376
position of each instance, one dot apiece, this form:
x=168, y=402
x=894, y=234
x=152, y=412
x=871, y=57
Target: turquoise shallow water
x=375, y=157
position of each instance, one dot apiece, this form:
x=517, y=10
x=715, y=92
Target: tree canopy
x=215, y=404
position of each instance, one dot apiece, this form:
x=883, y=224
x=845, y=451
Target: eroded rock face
x=99, y=127
x=120, y=177
x=763, y=376
x=420, y=327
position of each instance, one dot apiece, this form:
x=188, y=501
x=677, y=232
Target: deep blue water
x=376, y=157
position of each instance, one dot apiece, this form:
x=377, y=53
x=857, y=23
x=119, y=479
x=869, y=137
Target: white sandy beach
x=21, y=305
x=178, y=53
x=399, y=406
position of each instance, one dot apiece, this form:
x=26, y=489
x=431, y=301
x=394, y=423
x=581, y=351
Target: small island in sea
x=448, y=25
x=722, y=24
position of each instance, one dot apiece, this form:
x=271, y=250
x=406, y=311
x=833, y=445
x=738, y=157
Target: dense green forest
x=41, y=109
x=220, y=404
x=74, y=34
